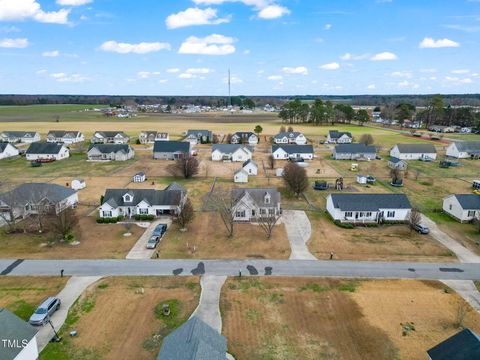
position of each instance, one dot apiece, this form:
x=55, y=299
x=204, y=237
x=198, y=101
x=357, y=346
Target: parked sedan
x=44, y=311
x=153, y=242
x=421, y=229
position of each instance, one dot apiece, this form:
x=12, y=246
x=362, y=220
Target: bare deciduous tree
x=282, y=128
x=366, y=139
x=8, y=205
x=414, y=218
x=271, y=161
x=397, y=176
x=185, y=167
x=223, y=204
x=268, y=221
x=186, y=214
x=290, y=129
x=295, y=178
x=64, y=222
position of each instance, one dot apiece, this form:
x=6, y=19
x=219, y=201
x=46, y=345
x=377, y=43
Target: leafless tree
x=8, y=205
x=295, y=178
x=282, y=128
x=39, y=206
x=268, y=221
x=215, y=139
x=366, y=139
x=290, y=129
x=414, y=218
x=64, y=223
x=186, y=214
x=271, y=161
x=223, y=203
x=396, y=175
x=185, y=167
x=229, y=138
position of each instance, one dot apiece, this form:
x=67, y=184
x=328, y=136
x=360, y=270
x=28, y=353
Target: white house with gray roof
x=339, y=137
x=110, y=137
x=231, y=152
x=110, y=152
x=65, y=137
x=131, y=202
x=464, y=150
x=414, y=151
x=8, y=150
x=26, y=137
x=250, y=167
x=285, y=152
x=244, y=137
x=18, y=339
x=171, y=150
x=149, y=137
x=354, y=152
x=290, y=137
x=195, y=137
x=43, y=151
x=463, y=207
x=368, y=208
x=251, y=204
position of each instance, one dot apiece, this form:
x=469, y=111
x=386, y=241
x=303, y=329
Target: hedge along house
x=368, y=208
x=131, y=202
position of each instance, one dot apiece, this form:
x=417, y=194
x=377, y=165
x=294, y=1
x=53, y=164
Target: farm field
x=337, y=319
x=121, y=318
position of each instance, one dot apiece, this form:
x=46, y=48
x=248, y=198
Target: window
x=240, y=213
x=450, y=207
x=348, y=214
x=390, y=214
x=471, y=213
x=263, y=212
x=107, y=214
x=271, y=212
x=368, y=214
x=143, y=211
x=267, y=199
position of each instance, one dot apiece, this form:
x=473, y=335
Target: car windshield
x=41, y=311
x=151, y=240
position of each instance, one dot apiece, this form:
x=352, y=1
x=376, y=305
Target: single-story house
x=139, y=177
x=194, y=339
x=244, y=137
x=78, y=184
x=250, y=204
x=240, y=176
x=339, y=137
x=464, y=149
x=18, y=339
x=26, y=137
x=43, y=151
x=26, y=199
x=110, y=137
x=65, y=137
x=414, y=151
x=8, y=150
x=231, y=152
x=199, y=137
x=368, y=208
x=396, y=163
x=464, y=345
x=463, y=207
x=149, y=137
x=131, y=202
x=290, y=137
x=354, y=152
x=250, y=167
x=107, y=152
x=171, y=150
x=292, y=152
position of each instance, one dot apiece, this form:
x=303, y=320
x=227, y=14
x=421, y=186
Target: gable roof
x=19, y=134
x=370, y=202
x=294, y=149
x=13, y=328
x=193, y=340
x=44, y=148
x=244, y=134
x=3, y=146
x=468, y=146
x=109, y=148
x=288, y=134
x=171, y=146
x=229, y=148
x=63, y=133
x=111, y=133
x=355, y=149
x=416, y=148
x=395, y=160
x=464, y=345
x=198, y=133
x=35, y=192
x=249, y=161
x=335, y=134
x=155, y=133
x=468, y=201
x=257, y=195
x=176, y=186
x=168, y=197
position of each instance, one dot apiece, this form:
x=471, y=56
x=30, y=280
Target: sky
x=272, y=47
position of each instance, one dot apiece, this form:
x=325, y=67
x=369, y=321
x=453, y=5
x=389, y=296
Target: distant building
x=199, y=137
x=240, y=176
x=290, y=137
x=285, y=152
x=244, y=137
x=396, y=163
x=21, y=335
x=354, y=152
x=231, y=152
x=43, y=151
x=414, y=151
x=250, y=167
x=339, y=137
x=149, y=137
x=171, y=150
x=139, y=177
x=110, y=152
x=464, y=150
x=26, y=137
x=464, y=345
x=110, y=137
x=65, y=137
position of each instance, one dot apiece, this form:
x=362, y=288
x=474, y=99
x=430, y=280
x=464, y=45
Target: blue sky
x=273, y=47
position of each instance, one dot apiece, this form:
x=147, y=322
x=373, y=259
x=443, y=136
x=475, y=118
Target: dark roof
x=62, y=133
x=13, y=328
x=464, y=345
x=288, y=134
x=36, y=192
x=335, y=134
x=395, y=160
x=370, y=202
x=3, y=146
x=258, y=195
x=155, y=133
x=248, y=162
x=176, y=186
x=294, y=149
x=110, y=148
x=416, y=148
x=171, y=146
x=199, y=133
x=469, y=201
x=244, y=134
x=355, y=149
x=114, y=197
x=44, y=148
x=468, y=146
x=228, y=148
x=111, y=133
x=194, y=340
x=19, y=134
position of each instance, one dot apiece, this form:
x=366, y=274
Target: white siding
x=9, y=152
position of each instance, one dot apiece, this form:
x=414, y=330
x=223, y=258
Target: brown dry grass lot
x=22, y=295
x=120, y=318
x=208, y=235
x=311, y=319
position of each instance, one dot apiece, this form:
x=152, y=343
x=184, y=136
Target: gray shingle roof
x=469, y=201
x=395, y=160
x=291, y=134
x=111, y=133
x=44, y=148
x=464, y=345
x=335, y=134
x=176, y=186
x=416, y=148
x=171, y=146
x=36, y=192
x=294, y=149
x=199, y=133
x=110, y=148
x=227, y=148
x=3, y=146
x=370, y=202
x=13, y=328
x=19, y=134
x=258, y=195
x=244, y=134
x=355, y=149
x=468, y=146
x=62, y=133
x=152, y=196
x=194, y=340
x=248, y=162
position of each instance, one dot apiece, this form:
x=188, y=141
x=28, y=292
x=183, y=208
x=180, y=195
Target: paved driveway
x=209, y=307
x=299, y=231
x=139, y=250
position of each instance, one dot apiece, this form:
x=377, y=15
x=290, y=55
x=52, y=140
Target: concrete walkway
x=467, y=290
x=299, y=231
x=139, y=250
x=75, y=286
x=209, y=307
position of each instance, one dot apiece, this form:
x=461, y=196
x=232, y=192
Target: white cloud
x=194, y=16
x=405, y=74
x=458, y=80
x=428, y=71
x=273, y=12
x=275, y=77
x=210, y=45
x=460, y=71
x=9, y=29
x=185, y=76
x=384, y=56
x=140, y=48
x=73, y=78
x=53, y=53
x=348, y=56
x=41, y=72
x=18, y=10
x=429, y=43
x=147, y=74
x=295, y=70
x=13, y=43
x=406, y=83
x=199, y=71
x=234, y=79
x=173, y=70
x=371, y=87
x=330, y=66
x=73, y=2
x=327, y=26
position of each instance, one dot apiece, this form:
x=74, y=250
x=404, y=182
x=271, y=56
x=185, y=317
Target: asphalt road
x=332, y=268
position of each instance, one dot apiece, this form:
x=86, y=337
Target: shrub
x=144, y=217
x=343, y=225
